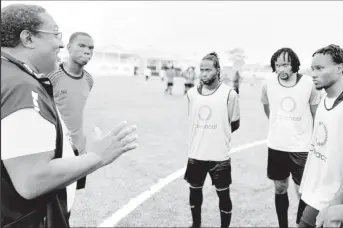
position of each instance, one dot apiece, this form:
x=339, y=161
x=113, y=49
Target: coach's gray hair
x=16, y=18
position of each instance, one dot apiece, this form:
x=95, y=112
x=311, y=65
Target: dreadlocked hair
x=335, y=51
x=292, y=57
x=213, y=56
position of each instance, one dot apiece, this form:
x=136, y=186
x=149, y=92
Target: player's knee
x=281, y=187
x=225, y=203
x=195, y=197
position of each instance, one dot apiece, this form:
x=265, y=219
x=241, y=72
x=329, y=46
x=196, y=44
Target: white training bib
x=209, y=127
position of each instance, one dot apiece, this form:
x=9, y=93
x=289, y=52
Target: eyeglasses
x=57, y=34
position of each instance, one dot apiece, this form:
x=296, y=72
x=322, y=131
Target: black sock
x=282, y=204
x=225, y=207
x=225, y=219
x=195, y=201
x=301, y=208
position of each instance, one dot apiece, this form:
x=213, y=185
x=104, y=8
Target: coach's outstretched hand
x=113, y=144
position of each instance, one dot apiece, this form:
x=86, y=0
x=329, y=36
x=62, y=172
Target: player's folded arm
x=264, y=100
x=234, y=110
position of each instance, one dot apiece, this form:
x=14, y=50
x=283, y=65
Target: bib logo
x=321, y=134
x=288, y=104
x=317, y=153
x=205, y=113
x=321, y=138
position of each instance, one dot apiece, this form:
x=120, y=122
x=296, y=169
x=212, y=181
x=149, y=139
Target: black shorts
x=189, y=85
x=170, y=84
x=308, y=218
x=220, y=172
x=281, y=164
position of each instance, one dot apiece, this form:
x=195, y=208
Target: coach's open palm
x=113, y=144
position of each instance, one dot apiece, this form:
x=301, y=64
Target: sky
x=195, y=28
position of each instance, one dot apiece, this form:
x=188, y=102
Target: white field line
x=138, y=200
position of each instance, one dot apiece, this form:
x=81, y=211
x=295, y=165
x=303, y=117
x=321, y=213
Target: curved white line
x=138, y=200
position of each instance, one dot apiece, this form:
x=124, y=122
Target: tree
x=237, y=56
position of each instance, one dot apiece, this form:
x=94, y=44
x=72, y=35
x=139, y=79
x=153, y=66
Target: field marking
x=138, y=200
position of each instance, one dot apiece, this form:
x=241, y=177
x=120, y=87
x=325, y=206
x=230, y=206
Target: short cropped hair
x=77, y=34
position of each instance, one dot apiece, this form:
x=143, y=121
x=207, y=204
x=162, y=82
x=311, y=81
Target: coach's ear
x=26, y=39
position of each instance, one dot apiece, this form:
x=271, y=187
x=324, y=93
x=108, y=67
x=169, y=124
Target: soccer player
x=147, y=73
x=72, y=85
x=38, y=166
x=236, y=81
x=290, y=101
x=213, y=115
x=322, y=185
x=170, y=74
x=163, y=73
x=190, y=77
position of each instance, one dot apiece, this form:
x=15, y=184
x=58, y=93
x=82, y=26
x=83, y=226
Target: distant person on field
x=170, y=74
x=190, y=77
x=147, y=73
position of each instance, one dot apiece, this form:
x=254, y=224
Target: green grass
x=162, y=127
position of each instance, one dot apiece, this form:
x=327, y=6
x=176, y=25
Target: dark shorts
x=220, y=173
x=170, y=84
x=308, y=218
x=189, y=85
x=281, y=164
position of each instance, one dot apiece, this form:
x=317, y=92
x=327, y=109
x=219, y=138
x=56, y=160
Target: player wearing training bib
x=322, y=184
x=213, y=116
x=290, y=100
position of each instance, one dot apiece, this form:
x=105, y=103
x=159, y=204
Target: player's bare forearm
x=235, y=125
x=266, y=110
x=41, y=175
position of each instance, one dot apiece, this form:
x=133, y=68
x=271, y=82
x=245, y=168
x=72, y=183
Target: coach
x=38, y=167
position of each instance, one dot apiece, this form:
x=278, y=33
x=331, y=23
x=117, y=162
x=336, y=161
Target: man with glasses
x=38, y=166
x=290, y=101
